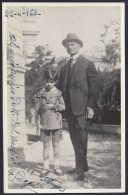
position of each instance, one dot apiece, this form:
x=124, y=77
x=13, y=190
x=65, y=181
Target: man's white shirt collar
x=74, y=58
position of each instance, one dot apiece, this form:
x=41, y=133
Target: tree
x=111, y=40
x=33, y=76
x=109, y=80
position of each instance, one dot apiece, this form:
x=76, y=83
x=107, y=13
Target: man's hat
x=72, y=37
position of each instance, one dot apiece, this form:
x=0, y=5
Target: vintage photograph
x=63, y=97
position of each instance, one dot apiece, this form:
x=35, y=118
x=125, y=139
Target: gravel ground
x=104, y=159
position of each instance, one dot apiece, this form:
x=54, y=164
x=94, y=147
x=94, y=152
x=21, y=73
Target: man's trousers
x=78, y=129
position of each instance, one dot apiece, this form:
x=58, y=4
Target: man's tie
x=71, y=62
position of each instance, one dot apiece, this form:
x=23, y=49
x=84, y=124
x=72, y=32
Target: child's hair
x=51, y=75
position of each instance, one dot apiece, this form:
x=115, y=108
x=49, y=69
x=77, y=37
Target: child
x=49, y=104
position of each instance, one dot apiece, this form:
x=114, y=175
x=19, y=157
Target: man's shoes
x=79, y=175
x=71, y=171
x=74, y=170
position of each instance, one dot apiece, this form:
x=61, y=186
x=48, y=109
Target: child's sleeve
x=61, y=105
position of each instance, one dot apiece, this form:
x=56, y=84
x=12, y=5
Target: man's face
x=72, y=48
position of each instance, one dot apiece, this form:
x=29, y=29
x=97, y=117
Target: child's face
x=49, y=84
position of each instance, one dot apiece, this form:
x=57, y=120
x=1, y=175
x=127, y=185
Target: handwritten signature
x=55, y=183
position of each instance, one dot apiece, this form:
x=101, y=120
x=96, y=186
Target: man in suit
x=78, y=78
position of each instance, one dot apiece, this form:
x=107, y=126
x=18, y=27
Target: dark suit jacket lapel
x=67, y=67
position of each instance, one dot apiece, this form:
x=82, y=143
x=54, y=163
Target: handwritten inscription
x=18, y=174
x=15, y=176
x=14, y=101
x=19, y=13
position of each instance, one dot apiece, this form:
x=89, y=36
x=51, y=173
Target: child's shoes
x=58, y=172
x=44, y=172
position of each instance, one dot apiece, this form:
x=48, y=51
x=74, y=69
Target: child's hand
x=50, y=106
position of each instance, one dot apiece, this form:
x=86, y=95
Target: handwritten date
x=19, y=13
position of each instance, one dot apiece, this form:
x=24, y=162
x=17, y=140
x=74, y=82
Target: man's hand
x=89, y=113
x=39, y=126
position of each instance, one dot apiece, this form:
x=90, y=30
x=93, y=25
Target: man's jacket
x=82, y=86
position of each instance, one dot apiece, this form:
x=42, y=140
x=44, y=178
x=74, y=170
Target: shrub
x=108, y=98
